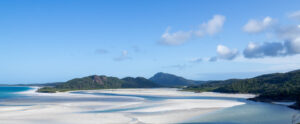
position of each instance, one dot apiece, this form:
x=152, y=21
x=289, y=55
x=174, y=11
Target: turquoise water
x=249, y=113
x=7, y=92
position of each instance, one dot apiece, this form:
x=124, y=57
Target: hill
x=138, y=82
x=270, y=87
x=100, y=82
x=171, y=80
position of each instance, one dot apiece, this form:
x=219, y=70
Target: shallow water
x=249, y=113
x=7, y=92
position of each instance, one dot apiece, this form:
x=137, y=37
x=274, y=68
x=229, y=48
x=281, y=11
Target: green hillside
x=170, y=80
x=270, y=87
x=138, y=82
x=100, y=82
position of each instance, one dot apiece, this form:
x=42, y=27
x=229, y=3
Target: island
x=279, y=87
x=99, y=82
x=268, y=87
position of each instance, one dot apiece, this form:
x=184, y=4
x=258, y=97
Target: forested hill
x=104, y=82
x=270, y=87
x=100, y=82
x=171, y=80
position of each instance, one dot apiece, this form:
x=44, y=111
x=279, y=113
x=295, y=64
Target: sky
x=56, y=40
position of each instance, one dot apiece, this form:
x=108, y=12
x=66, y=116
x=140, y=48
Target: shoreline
x=133, y=110
x=251, y=97
x=288, y=103
x=30, y=91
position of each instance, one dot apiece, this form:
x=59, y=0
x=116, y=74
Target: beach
x=162, y=105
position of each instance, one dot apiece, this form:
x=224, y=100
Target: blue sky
x=57, y=40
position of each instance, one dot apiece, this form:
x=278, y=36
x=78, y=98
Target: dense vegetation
x=270, y=87
x=297, y=104
x=170, y=80
x=138, y=82
x=99, y=82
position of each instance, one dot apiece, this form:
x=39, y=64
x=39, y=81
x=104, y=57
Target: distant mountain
x=138, y=82
x=270, y=87
x=100, y=82
x=171, y=80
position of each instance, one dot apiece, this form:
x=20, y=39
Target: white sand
x=172, y=105
x=138, y=110
x=171, y=92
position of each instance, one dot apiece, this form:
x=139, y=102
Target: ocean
x=248, y=113
x=7, y=92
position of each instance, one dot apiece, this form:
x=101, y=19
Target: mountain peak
x=166, y=79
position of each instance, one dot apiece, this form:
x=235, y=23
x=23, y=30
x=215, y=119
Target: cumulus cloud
x=255, y=50
x=288, y=32
x=291, y=37
x=211, y=27
x=124, y=56
x=295, y=15
x=290, y=45
x=272, y=49
x=176, y=38
x=255, y=26
x=226, y=53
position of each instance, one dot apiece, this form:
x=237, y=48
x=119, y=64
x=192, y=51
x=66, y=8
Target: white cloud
x=226, y=53
x=176, y=38
x=293, y=46
x=255, y=26
x=291, y=37
x=290, y=45
x=288, y=32
x=271, y=49
x=124, y=56
x=212, y=27
x=295, y=15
